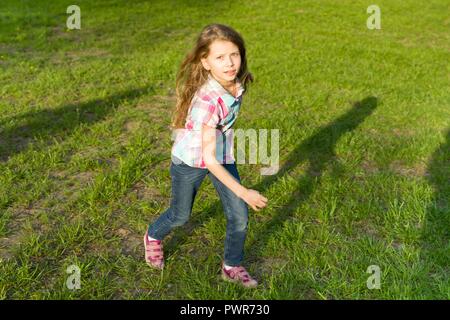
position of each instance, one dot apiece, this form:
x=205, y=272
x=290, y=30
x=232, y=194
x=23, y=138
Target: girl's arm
x=251, y=197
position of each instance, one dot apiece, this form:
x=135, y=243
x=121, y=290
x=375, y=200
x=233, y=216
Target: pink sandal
x=154, y=255
x=239, y=275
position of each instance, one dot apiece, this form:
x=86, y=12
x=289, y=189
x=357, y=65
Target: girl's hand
x=254, y=199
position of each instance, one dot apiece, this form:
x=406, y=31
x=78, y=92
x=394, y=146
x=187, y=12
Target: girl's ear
x=205, y=64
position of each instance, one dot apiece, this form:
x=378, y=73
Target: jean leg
x=186, y=181
x=236, y=212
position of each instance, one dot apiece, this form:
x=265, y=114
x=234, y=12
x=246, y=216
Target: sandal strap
x=154, y=250
x=243, y=274
x=156, y=258
x=153, y=246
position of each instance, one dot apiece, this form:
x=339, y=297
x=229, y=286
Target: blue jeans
x=186, y=181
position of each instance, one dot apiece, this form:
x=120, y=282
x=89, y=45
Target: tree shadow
x=435, y=247
x=318, y=150
x=59, y=122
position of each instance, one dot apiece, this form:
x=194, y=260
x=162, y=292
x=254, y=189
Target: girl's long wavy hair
x=191, y=75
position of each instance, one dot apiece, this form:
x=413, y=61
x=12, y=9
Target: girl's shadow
x=318, y=152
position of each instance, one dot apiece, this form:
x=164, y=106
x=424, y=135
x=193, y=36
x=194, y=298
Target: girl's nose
x=229, y=61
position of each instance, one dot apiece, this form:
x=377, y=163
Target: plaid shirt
x=216, y=107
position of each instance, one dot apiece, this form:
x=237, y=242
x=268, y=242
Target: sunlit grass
x=364, y=149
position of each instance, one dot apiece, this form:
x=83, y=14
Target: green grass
x=364, y=120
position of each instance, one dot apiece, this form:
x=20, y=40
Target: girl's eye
x=220, y=57
x=235, y=54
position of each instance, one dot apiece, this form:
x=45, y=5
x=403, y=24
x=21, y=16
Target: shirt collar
x=224, y=94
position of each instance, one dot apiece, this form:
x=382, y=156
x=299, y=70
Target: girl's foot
x=154, y=255
x=238, y=275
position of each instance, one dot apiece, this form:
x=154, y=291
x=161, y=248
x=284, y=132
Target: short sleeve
x=204, y=112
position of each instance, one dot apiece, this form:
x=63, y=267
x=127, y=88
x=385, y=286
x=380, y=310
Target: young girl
x=209, y=88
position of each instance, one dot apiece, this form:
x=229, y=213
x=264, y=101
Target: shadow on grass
x=57, y=123
x=435, y=249
x=318, y=151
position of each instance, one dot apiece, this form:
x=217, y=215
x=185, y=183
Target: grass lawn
x=364, y=122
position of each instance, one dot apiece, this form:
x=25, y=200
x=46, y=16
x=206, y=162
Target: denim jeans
x=186, y=181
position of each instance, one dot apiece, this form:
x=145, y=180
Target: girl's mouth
x=231, y=72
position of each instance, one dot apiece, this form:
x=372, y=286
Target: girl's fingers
x=261, y=204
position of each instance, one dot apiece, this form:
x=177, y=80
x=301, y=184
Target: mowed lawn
x=364, y=122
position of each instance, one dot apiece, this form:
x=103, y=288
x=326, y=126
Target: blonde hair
x=191, y=75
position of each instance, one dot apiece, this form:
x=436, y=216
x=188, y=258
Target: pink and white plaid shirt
x=216, y=107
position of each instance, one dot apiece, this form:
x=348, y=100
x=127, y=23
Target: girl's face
x=223, y=61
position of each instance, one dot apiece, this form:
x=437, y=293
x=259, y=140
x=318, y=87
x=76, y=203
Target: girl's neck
x=230, y=86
